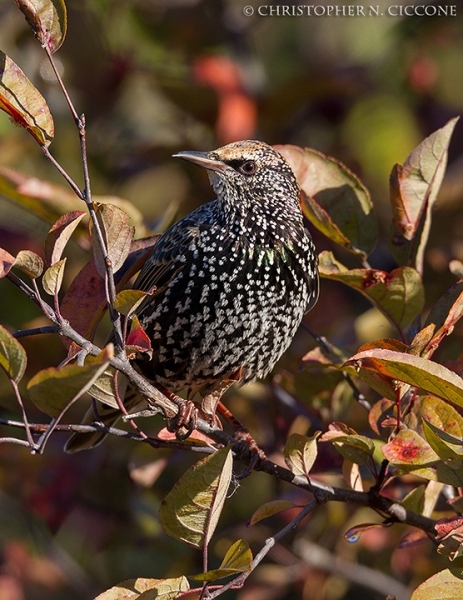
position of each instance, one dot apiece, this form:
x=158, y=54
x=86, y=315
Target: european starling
x=233, y=278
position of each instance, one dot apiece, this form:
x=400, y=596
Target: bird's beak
x=202, y=159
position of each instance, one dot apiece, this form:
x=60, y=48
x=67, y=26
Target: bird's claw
x=247, y=448
x=185, y=421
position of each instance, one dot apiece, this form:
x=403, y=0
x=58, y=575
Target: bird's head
x=247, y=174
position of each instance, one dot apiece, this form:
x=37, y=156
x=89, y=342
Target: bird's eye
x=247, y=168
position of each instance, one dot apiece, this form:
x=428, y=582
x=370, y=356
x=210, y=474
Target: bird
x=232, y=280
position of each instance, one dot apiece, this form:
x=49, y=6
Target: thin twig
x=30, y=439
x=238, y=582
x=35, y=331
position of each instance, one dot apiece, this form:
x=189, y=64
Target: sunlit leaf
x=414, y=370
x=23, y=102
x=192, y=508
x=269, y=509
x=53, y=277
x=137, y=340
x=144, y=588
x=30, y=263
x=351, y=474
x=13, y=358
x=300, y=453
x=127, y=301
x=53, y=390
x=442, y=319
x=447, y=447
x=356, y=448
x=445, y=585
x=398, y=294
x=407, y=447
x=118, y=236
x=335, y=200
x=59, y=235
x=435, y=411
x=414, y=189
x=47, y=20
x=6, y=262
x=238, y=559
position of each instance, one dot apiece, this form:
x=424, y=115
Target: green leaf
x=335, y=200
x=356, y=448
x=47, y=20
x=143, y=588
x=23, y=102
x=414, y=500
x=414, y=370
x=54, y=390
x=445, y=585
x=238, y=559
x=269, y=509
x=300, y=453
x=52, y=279
x=191, y=510
x=118, y=236
x=399, y=294
x=59, y=235
x=30, y=263
x=413, y=191
x=437, y=412
x=447, y=447
x=13, y=358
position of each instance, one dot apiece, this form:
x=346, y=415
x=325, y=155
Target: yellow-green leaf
x=53, y=278
x=104, y=388
x=398, y=294
x=23, y=102
x=13, y=358
x=30, y=263
x=118, y=236
x=269, y=509
x=128, y=301
x=414, y=370
x=53, y=390
x=238, y=559
x=191, y=510
x=47, y=20
x=300, y=453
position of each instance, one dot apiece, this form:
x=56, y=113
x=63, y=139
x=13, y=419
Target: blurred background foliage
x=158, y=76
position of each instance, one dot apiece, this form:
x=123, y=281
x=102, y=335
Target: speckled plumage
x=234, y=278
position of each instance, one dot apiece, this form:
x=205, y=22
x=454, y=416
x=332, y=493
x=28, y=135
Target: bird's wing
x=169, y=255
